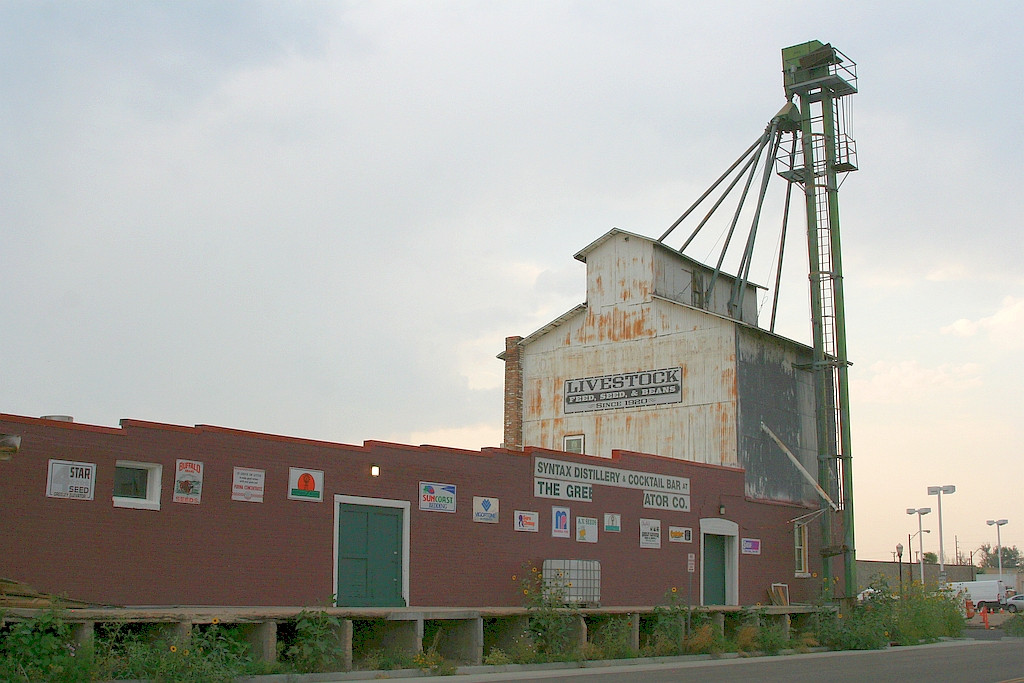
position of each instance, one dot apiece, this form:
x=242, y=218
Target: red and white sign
x=188, y=482
x=247, y=485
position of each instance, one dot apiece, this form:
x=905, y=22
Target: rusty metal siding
x=773, y=391
x=639, y=316
x=680, y=279
x=658, y=334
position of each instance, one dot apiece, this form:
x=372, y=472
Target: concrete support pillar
x=175, y=632
x=344, y=635
x=786, y=622
x=634, y=623
x=83, y=632
x=578, y=635
x=406, y=635
x=463, y=640
x=262, y=639
x=718, y=621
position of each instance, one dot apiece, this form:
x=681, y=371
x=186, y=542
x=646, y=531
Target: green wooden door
x=370, y=556
x=714, y=569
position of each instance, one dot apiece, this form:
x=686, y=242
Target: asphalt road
x=977, y=661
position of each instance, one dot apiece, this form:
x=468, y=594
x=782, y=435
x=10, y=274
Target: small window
x=137, y=485
x=573, y=444
x=800, y=549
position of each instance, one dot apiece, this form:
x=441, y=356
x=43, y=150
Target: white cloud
x=903, y=381
x=1004, y=328
x=470, y=437
x=948, y=272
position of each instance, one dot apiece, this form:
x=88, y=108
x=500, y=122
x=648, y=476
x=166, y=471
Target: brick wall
x=513, y=393
x=280, y=551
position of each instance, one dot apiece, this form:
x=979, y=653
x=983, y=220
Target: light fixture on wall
x=9, y=445
x=374, y=470
x=721, y=508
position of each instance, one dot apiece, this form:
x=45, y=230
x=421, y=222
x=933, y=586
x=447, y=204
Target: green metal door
x=714, y=569
x=369, y=556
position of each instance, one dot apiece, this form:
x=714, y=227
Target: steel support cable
x=710, y=190
x=782, y=238
x=736, y=215
x=743, y=272
x=707, y=217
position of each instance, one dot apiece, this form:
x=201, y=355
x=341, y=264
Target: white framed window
x=800, y=550
x=573, y=443
x=137, y=485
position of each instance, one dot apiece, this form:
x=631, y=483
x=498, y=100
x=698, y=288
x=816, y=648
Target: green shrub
x=42, y=649
x=1014, y=626
x=315, y=647
x=613, y=638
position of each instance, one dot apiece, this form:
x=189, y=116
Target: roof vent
x=58, y=418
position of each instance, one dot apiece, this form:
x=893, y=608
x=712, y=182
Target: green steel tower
x=824, y=80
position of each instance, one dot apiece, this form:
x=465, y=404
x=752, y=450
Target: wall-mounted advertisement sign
x=248, y=484
x=188, y=482
x=563, y=490
x=586, y=529
x=71, y=480
x=680, y=534
x=650, y=533
x=560, y=522
x=612, y=521
x=485, y=510
x=437, y=497
x=750, y=546
x=526, y=521
x=624, y=390
x=562, y=470
x=305, y=484
x=655, y=500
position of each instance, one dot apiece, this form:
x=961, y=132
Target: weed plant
x=920, y=614
x=553, y=621
x=1014, y=626
x=315, y=647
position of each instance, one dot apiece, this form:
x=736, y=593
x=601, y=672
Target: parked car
x=1015, y=603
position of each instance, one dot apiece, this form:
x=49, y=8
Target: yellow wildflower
x=174, y=648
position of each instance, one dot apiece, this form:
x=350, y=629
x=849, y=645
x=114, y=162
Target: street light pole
x=999, y=542
x=899, y=555
x=938, y=491
x=920, y=512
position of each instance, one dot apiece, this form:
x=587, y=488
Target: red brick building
x=156, y=514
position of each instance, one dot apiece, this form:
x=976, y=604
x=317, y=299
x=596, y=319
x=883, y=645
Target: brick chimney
x=513, y=393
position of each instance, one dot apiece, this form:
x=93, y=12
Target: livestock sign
x=624, y=390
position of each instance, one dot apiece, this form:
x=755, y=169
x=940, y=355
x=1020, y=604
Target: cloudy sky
x=322, y=219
